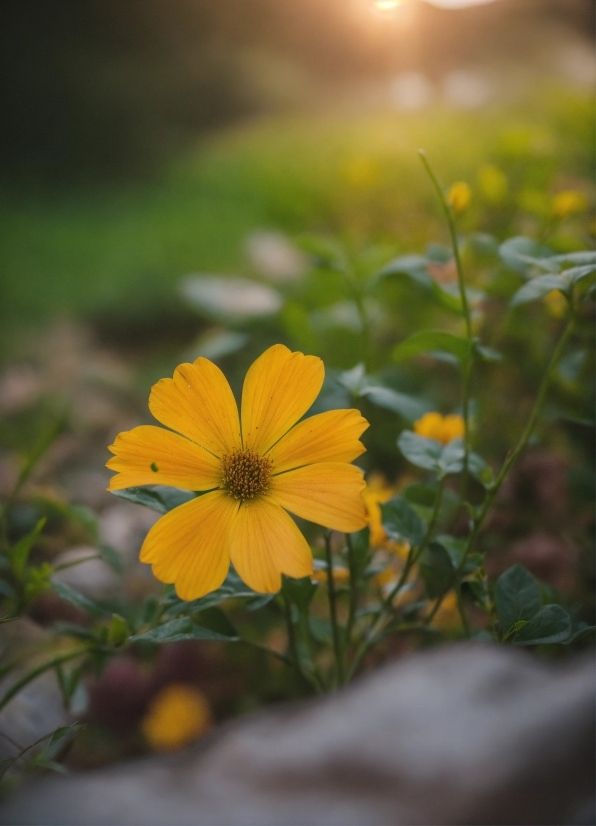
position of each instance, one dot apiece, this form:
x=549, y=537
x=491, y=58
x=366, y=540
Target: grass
x=72, y=254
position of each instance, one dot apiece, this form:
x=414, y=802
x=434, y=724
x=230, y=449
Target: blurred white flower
x=229, y=298
x=466, y=90
x=411, y=91
x=274, y=257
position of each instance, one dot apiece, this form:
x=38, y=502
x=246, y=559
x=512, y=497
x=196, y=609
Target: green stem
x=295, y=661
x=467, y=376
x=339, y=671
x=353, y=598
x=36, y=672
x=510, y=460
x=387, y=605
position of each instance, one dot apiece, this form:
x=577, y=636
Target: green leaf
x=551, y=624
x=576, y=274
x=61, y=738
x=118, y=630
x=401, y=521
x=111, y=557
x=299, y=591
x=454, y=547
x=487, y=353
x=539, y=287
x=515, y=250
x=480, y=470
x=326, y=252
x=180, y=629
x=408, y=407
x=436, y=570
x=419, y=494
x=517, y=597
x=353, y=380
x=75, y=598
x=413, y=266
x=420, y=451
x=360, y=543
x=581, y=257
x=432, y=455
x=232, y=588
x=427, y=341
x=452, y=457
x=19, y=553
x=157, y=497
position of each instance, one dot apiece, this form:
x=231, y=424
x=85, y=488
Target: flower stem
x=339, y=671
x=467, y=367
x=295, y=660
x=353, y=598
x=37, y=671
x=509, y=461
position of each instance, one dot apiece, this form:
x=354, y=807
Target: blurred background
x=160, y=164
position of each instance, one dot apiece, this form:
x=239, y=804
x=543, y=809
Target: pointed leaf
x=538, y=288
x=408, y=407
x=401, y=521
x=420, y=451
x=177, y=630
x=427, y=341
x=157, y=497
x=517, y=596
x=551, y=624
x=75, y=598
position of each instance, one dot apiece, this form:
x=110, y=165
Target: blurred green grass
x=76, y=253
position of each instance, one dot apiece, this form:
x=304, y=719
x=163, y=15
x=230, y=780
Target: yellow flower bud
x=459, y=197
x=177, y=715
x=569, y=202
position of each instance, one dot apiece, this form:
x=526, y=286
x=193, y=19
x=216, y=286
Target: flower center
x=245, y=474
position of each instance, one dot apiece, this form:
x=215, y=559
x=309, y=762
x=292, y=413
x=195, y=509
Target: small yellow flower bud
x=177, y=715
x=459, y=197
x=569, y=202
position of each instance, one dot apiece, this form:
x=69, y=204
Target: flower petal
x=150, y=455
x=326, y=437
x=278, y=389
x=328, y=493
x=198, y=402
x=266, y=543
x=189, y=546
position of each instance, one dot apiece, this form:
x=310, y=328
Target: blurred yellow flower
x=363, y=173
x=556, y=304
x=569, y=202
x=447, y=617
x=459, y=196
x=251, y=470
x=375, y=494
x=341, y=575
x=493, y=183
x=442, y=428
x=177, y=715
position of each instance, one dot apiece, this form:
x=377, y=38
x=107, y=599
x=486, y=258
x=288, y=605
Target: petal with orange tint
x=279, y=388
x=326, y=437
x=266, y=543
x=150, y=455
x=189, y=546
x=329, y=493
x=198, y=402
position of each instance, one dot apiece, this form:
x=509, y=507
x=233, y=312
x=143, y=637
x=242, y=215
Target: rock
x=38, y=708
x=464, y=734
x=93, y=578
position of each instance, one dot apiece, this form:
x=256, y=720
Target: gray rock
x=465, y=734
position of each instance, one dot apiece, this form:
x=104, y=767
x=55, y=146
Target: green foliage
x=401, y=521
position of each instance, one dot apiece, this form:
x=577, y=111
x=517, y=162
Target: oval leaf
x=551, y=624
x=538, y=288
x=517, y=597
x=401, y=521
x=427, y=341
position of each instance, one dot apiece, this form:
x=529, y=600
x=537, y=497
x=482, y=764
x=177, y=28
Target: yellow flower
x=569, y=202
x=251, y=470
x=556, y=304
x=375, y=494
x=442, y=428
x=447, y=617
x=459, y=196
x=177, y=716
x=341, y=575
x=493, y=183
